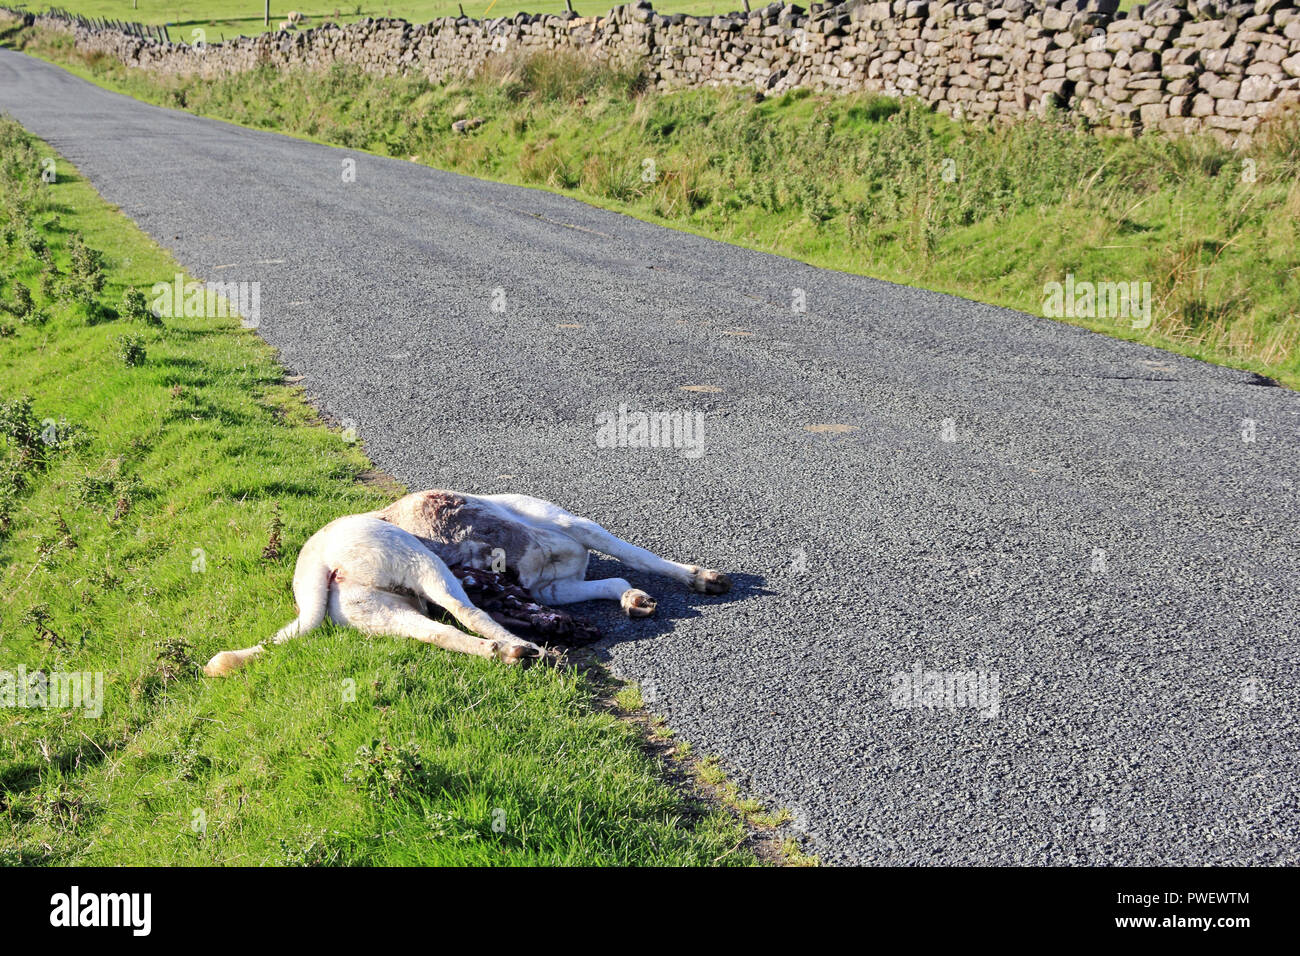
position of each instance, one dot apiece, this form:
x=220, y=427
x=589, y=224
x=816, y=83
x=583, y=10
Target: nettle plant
x=131, y=350
x=27, y=446
x=30, y=244
x=85, y=279
x=387, y=772
x=21, y=304
x=135, y=308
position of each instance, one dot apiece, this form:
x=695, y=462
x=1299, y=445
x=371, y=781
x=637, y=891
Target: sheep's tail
x=311, y=589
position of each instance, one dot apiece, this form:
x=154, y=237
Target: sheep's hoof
x=222, y=664
x=638, y=603
x=710, y=582
x=520, y=655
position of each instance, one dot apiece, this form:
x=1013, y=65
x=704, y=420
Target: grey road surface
x=908, y=488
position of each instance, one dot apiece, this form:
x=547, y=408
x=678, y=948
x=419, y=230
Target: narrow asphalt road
x=1098, y=539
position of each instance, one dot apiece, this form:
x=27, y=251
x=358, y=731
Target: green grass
x=860, y=183
x=138, y=506
x=232, y=18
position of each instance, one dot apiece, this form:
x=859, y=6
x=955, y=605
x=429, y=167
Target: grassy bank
x=859, y=183
x=156, y=482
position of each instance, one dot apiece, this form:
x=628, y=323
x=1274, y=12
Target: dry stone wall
x=1177, y=66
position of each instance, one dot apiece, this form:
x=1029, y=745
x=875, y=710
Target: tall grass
x=559, y=76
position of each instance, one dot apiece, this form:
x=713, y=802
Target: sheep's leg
x=635, y=603
x=383, y=612
x=593, y=536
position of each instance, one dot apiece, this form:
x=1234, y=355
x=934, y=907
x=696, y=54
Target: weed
x=135, y=307
x=386, y=772
x=131, y=350
x=272, y=550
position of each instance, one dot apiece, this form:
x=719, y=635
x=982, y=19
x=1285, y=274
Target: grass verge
x=860, y=183
x=156, y=481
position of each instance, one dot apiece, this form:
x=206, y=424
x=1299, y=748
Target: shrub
x=135, y=307
x=22, y=305
x=85, y=278
x=130, y=349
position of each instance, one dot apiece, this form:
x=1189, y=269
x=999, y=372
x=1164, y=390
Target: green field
x=156, y=482
x=861, y=183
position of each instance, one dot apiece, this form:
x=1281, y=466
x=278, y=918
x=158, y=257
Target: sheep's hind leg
x=384, y=612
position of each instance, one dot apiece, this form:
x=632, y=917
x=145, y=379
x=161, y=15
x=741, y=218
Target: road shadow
x=676, y=603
